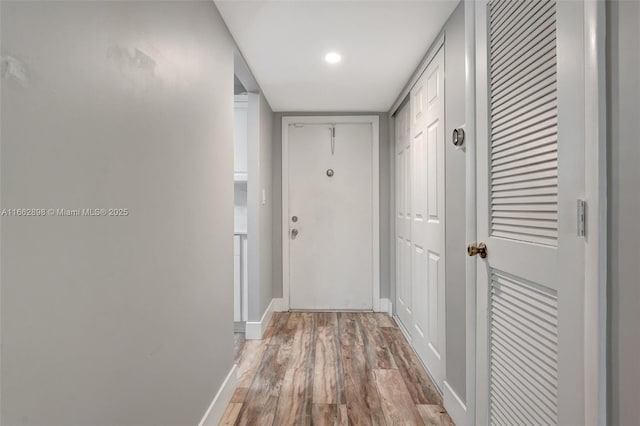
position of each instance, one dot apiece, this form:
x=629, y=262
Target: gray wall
x=385, y=206
x=259, y=237
x=116, y=320
x=624, y=210
x=455, y=254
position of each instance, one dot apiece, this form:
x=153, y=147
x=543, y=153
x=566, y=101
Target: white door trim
x=595, y=292
x=595, y=404
x=470, y=206
x=375, y=196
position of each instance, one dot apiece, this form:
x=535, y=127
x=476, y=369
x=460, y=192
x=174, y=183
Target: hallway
x=332, y=368
x=412, y=212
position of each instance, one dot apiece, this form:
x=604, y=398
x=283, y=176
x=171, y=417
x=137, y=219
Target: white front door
x=403, y=216
x=427, y=217
x=530, y=176
x=330, y=216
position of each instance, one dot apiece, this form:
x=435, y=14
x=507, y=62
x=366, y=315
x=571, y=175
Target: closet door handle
x=480, y=249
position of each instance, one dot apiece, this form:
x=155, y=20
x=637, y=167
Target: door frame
x=374, y=120
x=595, y=285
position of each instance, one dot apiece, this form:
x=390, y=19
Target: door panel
x=331, y=260
x=403, y=217
x=427, y=217
x=530, y=174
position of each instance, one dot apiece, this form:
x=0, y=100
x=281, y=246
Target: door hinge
x=582, y=218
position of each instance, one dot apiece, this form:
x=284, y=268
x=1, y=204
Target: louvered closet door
x=530, y=154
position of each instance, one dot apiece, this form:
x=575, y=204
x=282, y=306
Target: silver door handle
x=294, y=233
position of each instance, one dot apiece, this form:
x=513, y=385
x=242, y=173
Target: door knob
x=294, y=233
x=480, y=249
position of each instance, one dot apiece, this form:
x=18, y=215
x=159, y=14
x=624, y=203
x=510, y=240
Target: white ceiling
x=381, y=43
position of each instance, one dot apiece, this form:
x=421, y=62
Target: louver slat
x=524, y=121
x=523, y=341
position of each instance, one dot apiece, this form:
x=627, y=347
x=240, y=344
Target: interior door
x=403, y=216
x=330, y=216
x=427, y=217
x=530, y=176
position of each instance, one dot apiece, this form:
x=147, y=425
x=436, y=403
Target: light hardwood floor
x=332, y=369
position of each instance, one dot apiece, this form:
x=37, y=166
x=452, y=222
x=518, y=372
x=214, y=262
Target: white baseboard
x=453, y=404
x=255, y=330
x=280, y=305
x=385, y=305
x=219, y=404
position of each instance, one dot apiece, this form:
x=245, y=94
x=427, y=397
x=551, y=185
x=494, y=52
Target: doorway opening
x=240, y=222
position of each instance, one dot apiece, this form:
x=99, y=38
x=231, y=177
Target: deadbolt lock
x=458, y=137
x=480, y=249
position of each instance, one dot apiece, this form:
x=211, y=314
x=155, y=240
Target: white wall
x=624, y=210
x=259, y=237
x=116, y=321
x=385, y=206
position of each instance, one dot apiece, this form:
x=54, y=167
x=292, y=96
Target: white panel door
x=530, y=176
x=331, y=237
x=403, y=216
x=427, y=217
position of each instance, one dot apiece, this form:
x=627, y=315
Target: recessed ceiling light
x=333, y=58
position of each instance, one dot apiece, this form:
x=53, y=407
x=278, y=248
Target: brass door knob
x=480, y=249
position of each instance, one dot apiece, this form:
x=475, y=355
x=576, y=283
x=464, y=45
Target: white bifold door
x=330, y=215
x=420, y=192
x=530, y=179
x=404, y=298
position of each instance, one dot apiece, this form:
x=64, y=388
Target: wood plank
x=262, y=399
x=418, y=382
x=295, y=403
x=397, y=405
x=327, y=382
x=375, y=344
x=249, y=362
x=324, y=415
x=286, y=329
x=327, y=319
x=238, y=346
x=349, y=329
x=384, y=320
x=239, y=395
x=343, y=416
x=278, y=319
x=434, y=415
x=230, y=414
x=361, y=394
